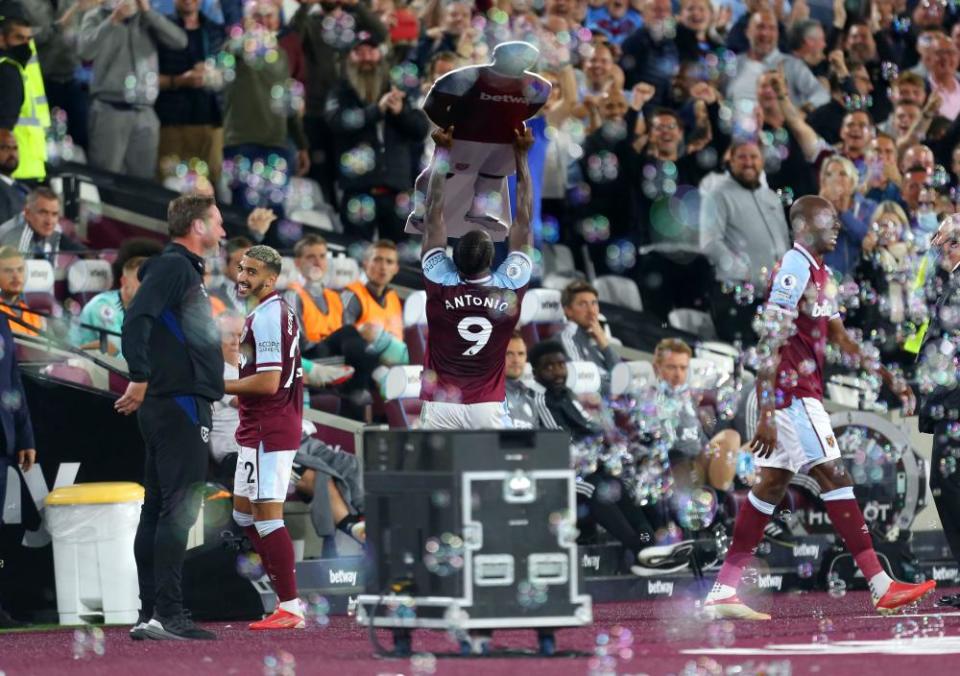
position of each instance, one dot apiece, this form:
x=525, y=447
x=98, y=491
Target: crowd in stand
x=675, y=137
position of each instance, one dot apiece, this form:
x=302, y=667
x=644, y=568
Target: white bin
x=93, y=527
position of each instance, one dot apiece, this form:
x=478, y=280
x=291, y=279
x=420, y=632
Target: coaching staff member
x=172, y=348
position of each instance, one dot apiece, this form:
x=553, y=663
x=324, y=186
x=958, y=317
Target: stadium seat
x=628, y=376
x=619, y=290
x=401, y=391
x=288, y=273
x=341, y=271
x=704, y=374
x=725, y=356
x=305, y=204
x=541, y=316
x=692, y=321
x=87, y=278
x=559, y=281
x=415, y=325
x=38, y=285
x=69, y=373
x=583, y=377
x=558, y=259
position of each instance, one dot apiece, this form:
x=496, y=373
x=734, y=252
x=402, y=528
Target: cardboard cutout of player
x=486, y=106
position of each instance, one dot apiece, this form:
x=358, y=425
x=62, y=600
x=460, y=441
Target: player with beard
x=742, y=232
x=471, y=310
x=270, y=393
x=793, y=431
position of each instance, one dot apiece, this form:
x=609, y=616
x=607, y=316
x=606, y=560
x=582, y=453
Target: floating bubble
x=932, y=626
x=531, y=595
x=88, y=642
x=836, y=586
x=423, y=663
x=281, y=664
x=444, y=555
x=721, y=634
x=250, y=566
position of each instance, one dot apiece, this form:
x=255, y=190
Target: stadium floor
x=665, y=639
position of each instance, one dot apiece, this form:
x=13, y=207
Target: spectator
x=55, y=26
x=694, y=460
x=374, y=303
x=36, y=231
x=12, y=193
x=583, y=337
x=191, y=121
x=883, y=274
x=856, y=132
x=872, y=51
x=521, y=401
x=23, y=106
x=697, y=30
x=18, y=444
x=324, y=62
x=803, y=88
x=106, y=311
x=906, y=88
x=455, y=35
x=258, y=126
x=122, y=43
x=319, y=308
x=615, y=19
x=737, y=37
x=226, y=414
x=942, y=59
x=12, y=274
x=849, y=90
x=808, y=42
x=601, y=75
x=226, y=290
x=379, y=131
x=651, y=55
x=839, y=181
x=744, y=232
x=602, y=499
x=906, y=115
x=883, y=177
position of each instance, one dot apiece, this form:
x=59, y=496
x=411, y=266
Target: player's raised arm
x=435, y=231
x=838, y=336
x=520, y=230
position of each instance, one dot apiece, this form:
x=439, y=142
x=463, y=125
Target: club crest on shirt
x=831, y=442
x=513, y=271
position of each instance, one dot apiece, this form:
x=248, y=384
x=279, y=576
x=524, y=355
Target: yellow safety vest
x=30, y=130
x=914, y=342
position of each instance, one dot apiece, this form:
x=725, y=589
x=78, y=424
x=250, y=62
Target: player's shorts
x=805, y=438
x=441, y=415
x=493, y=159
x=262, y=476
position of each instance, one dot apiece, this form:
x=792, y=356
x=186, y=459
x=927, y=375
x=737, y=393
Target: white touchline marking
x=894, y=617
x=938, y=645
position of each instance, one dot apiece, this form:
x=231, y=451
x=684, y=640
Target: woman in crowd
x=838, y=185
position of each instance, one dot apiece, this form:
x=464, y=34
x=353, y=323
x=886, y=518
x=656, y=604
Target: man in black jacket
x=16, y=429
x=172, y=348
x=13, y=194
x=378, y=134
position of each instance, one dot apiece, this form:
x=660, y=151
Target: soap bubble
x=281, y=664
x=836, y=587
x=721, y=634
x=444, y=554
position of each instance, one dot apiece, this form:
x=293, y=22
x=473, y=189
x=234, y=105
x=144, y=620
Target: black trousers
x=945, y=485
x=733, y=313
x=176, y=432
x=612, y=507
x=347, y=342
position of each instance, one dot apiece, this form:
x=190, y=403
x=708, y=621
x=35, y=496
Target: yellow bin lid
x=104, y=492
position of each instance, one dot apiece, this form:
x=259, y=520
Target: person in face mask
x=694, y=460
x=883, y=276
x=19, y=109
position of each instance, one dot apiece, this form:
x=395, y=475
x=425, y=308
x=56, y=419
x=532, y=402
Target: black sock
x=346, y=523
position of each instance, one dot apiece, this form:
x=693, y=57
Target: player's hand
x=443, y=138
x=26, y=459
x=765, y=438
x=131, y=399
x=522, y=142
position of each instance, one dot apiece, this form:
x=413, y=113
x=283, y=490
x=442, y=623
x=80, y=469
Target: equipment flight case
x=470, y=531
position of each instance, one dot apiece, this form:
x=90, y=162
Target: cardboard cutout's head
x=474, y=254
x=513, y=58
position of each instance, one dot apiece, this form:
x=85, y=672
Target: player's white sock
x=879, y=584
x=292, y=606
x=721, y=591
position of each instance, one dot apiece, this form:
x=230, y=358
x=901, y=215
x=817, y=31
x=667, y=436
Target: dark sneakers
x=179, y=628
x=7, y=622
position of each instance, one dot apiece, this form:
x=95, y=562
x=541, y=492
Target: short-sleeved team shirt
x=804, y=284
x=271, y=342
x=469, y=324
